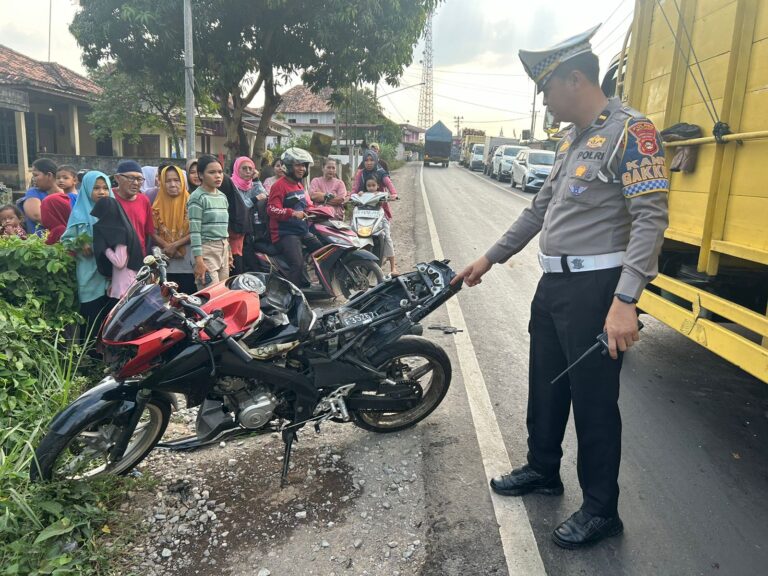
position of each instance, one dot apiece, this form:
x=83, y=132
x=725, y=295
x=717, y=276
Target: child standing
x=388, y=251
x=66, y=179
x=208, y=212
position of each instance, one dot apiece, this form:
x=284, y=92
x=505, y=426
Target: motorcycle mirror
x=150, y=260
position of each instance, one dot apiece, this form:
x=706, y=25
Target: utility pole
x=189, y=80
x=50, y=17
x=533, y=111
x=458, y=120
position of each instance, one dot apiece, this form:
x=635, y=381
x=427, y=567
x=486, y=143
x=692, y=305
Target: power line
x=480, y=105
x=443, y=71
x=616, y=9
x=615, y=28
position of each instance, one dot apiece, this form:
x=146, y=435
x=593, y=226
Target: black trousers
x=291, y=247
x=94, y=313
x=567, y=314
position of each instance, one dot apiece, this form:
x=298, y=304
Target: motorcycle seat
x=266, y=248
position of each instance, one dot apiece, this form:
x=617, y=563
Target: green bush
x=44, y=528
x=41, y=276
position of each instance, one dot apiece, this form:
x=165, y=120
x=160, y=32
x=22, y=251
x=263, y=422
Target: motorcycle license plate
x=367, y=213
x=361, y=318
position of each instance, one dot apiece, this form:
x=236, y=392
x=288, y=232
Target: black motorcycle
x=254, y=357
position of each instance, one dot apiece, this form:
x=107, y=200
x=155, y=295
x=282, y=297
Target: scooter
x=342, y=265
x=368, y=219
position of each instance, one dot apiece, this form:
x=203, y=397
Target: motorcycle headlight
x=364, y=231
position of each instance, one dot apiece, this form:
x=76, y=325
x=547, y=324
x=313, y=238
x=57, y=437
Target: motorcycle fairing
x=100, y=401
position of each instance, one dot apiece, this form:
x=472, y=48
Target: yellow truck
x=467, y=144
x=705, y=62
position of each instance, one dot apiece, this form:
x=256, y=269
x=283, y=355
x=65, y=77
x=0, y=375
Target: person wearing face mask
x=169, y=212
x=78, y=238
x=288, y=202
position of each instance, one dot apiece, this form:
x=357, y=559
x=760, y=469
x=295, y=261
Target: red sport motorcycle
x=254, y=357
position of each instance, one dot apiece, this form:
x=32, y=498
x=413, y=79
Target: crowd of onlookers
x=206, y=222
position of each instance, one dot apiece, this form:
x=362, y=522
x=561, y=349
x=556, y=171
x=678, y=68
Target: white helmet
x=296, y=156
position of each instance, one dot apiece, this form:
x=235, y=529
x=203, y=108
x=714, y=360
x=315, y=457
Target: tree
x=130, y=103
x=245, y=46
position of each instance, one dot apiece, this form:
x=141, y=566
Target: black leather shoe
x=582, y=529
x=525, y=480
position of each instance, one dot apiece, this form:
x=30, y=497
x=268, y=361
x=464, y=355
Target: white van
x=476, y=157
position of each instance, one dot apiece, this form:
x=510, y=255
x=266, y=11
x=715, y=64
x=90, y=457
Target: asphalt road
x=695, y=458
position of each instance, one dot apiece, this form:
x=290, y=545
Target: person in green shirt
x=208, y=212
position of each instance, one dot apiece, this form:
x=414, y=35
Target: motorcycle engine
x=253, y=405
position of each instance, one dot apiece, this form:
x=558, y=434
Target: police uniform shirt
x=607, y=192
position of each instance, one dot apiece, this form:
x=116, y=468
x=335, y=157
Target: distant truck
x=437, y=145
x=466, y=147
x=491, y=144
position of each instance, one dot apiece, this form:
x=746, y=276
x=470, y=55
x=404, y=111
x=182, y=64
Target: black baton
x=602, y=342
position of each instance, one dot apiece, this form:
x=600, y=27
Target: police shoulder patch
x=643, y=167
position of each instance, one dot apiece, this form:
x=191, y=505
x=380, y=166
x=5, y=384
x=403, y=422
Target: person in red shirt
x=287, y=217
x=135, y=205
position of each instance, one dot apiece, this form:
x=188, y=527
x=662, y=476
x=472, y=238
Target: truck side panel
x=718, y=213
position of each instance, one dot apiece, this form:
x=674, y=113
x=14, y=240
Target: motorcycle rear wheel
x=407, y=359
x=365, y=274
x=84, y=452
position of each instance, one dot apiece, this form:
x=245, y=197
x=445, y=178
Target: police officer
x=601, y=214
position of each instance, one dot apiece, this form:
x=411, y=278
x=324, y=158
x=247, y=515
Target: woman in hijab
x=78, y=237
x=149, y=187
x=372, y=170
x=246, y=194
x=116, y=247
x=54, y=215
x=193, y=178
x=172, y=227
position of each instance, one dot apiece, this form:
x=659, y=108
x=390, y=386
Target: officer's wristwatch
x=626, y=299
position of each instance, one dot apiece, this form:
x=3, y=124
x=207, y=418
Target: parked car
x=476, y=157
x=502, y=161
x=530, y=168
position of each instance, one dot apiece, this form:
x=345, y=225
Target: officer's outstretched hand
x=621, y=326
x=472, y=274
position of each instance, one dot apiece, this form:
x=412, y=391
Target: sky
x=476, y=71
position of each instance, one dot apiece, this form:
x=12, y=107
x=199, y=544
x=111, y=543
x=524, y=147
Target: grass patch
x=59, y=527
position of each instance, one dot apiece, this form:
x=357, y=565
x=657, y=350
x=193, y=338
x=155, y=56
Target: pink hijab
x=242, y=183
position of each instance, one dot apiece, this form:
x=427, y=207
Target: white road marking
x=508, y=189
x=517, y=539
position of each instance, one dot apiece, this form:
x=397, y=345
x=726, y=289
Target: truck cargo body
x=466, y=148
x=713, y=285
x=491, y=144
x=438, y=141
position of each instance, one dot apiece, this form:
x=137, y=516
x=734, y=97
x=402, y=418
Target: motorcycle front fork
x=118, y=449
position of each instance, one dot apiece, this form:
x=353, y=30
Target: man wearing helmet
x=288, y=202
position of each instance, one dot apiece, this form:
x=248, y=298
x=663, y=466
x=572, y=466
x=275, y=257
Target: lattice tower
x=425, y=98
